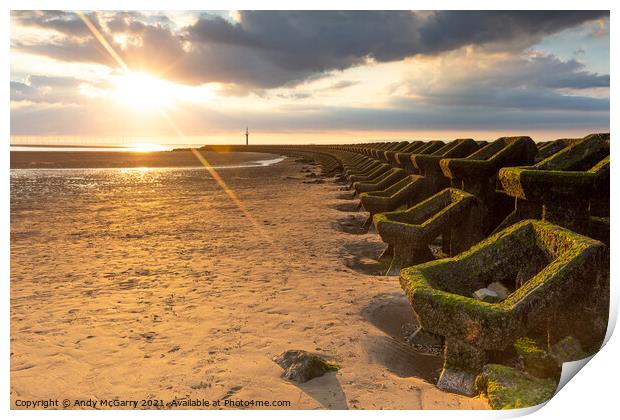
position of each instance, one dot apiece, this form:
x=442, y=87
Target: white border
x=592, y=395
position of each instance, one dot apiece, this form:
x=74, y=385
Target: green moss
x=439, y=291
x=508, y=388
x=537, y=361
x=330, y=365
x=318, y=365
x=528, y=347
x=578, y=153
x=601, y=166
x=430, y=276
x=473, y=307
x=571, y=171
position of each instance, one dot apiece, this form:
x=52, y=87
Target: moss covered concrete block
x=573, y=281
x=477, y=173
x=451, y=212
x=508, y=388
x=536, y=360
x=564, y=184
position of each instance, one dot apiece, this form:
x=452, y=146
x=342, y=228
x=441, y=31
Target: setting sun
x=141, y=91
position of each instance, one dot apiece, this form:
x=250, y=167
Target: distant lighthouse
x=247, y=136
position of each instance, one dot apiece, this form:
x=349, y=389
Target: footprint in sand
x=147, y=336
x=22, y=367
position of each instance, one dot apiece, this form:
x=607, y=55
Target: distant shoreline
x=102, y=159
x=69, y=146
x=99, y=148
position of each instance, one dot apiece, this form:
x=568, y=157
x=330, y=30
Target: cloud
x=449, y=30
x=268, y=49
x=342, y=84
x=53, y=90
x=501, y=93
x=539, y=70
x=294, y=95
x=493, y=98
x=21, y=91
x=601, y=30
x=90, y=118
x=530, y=80
x=66, y=23
x=471, y=71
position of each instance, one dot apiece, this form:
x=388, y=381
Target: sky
x=307, y=77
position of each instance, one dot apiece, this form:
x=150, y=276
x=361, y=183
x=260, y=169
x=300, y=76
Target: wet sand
x=185, y=158
x=138, y=284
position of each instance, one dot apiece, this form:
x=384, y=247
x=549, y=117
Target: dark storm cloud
x=213, y=28
x=267, y=49
x=329, y=39
x=452, y=29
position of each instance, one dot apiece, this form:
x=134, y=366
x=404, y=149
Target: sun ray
x=231, y=194
x=104, y=42
x=216, y=176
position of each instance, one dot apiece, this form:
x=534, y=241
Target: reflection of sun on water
x=146, y=147
x=135, y=174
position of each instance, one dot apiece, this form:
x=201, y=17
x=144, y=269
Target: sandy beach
x=153, y=284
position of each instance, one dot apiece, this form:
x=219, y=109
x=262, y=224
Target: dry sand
x=153, y=284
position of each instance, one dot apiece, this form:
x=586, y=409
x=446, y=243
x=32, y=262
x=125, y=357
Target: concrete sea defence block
x=572, y=280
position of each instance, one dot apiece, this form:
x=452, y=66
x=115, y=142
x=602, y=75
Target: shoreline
x=251, y=164
x=125, y=160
